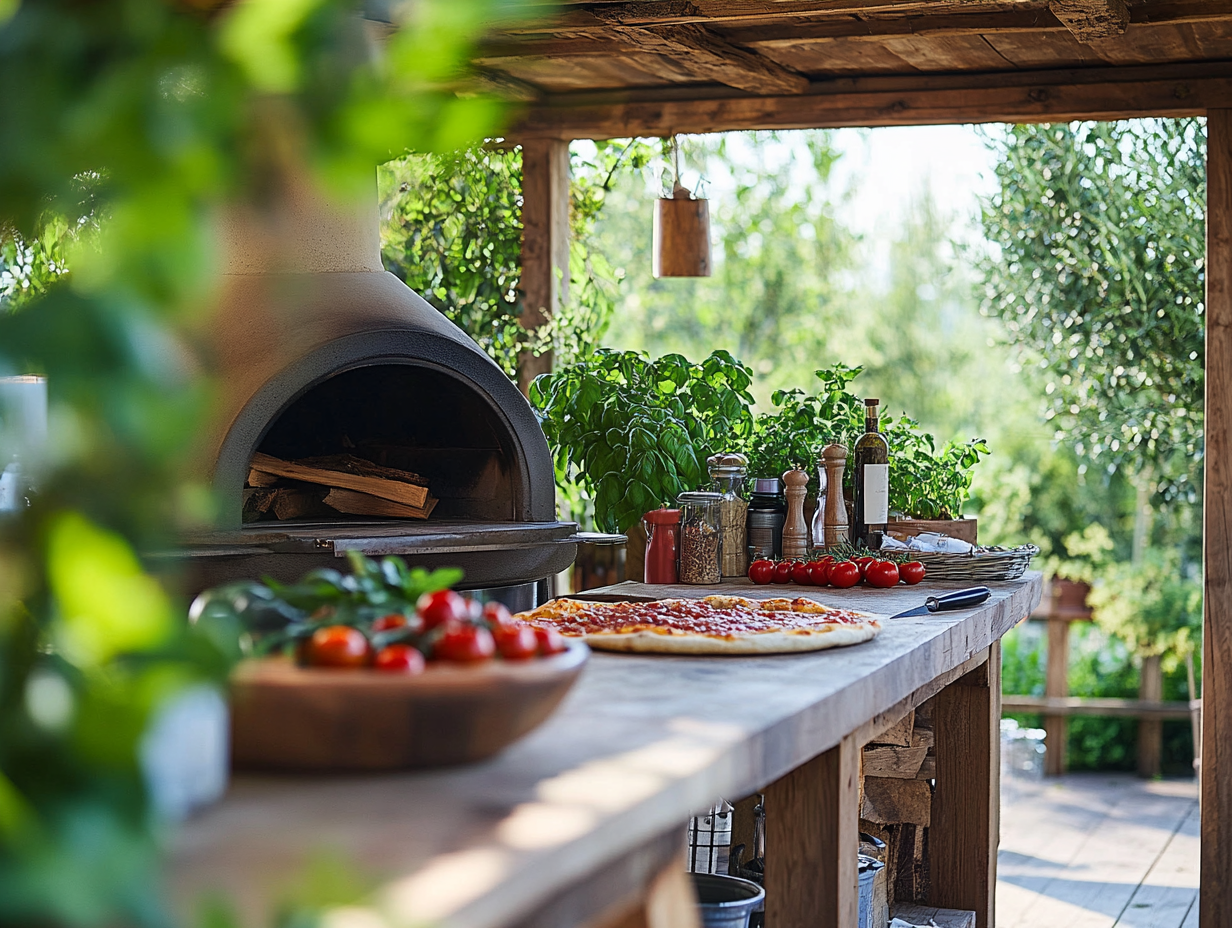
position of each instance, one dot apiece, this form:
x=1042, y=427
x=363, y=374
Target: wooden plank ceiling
x=600, y=68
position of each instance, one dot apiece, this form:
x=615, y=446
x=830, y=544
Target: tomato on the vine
x=497, y=614
x=388, y=623
x=550, y=640
x=819, y=571
x=338, y=646
x=761, y=571
x=862, y=563
x=800, y=573
x=912, y=572
x=882, y=574
x=466, y=644
x=399, y=658
x=516, y=642
x=441, y=607
x=782, y=572
x=844, y=574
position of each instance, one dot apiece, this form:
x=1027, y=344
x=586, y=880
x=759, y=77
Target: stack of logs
x=325, y=486
x=896, y=800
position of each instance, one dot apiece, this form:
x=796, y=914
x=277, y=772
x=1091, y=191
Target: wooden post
x=812, y=838
x=545, y=243
x=1215, y=905
x=965, y=827
x=1151, y=731
x=1056, y=683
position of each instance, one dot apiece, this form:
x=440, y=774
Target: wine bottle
x=871, y=478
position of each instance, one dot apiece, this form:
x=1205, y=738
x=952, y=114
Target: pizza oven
x=322, y=356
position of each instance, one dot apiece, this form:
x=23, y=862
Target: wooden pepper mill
x=795, y=529
x=834, y=459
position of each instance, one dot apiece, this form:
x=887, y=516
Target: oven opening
x=435, y=448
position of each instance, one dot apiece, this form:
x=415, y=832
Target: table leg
x=812, y=825
x=965, y=829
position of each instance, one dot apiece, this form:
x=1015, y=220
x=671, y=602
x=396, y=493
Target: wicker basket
x=991, y=563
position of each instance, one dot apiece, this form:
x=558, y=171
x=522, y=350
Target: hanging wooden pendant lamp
x=681, y=230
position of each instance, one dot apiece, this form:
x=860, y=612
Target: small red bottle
x=662, y=545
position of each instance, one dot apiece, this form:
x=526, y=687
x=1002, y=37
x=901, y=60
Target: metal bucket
x=726, y=901
x=870, y=873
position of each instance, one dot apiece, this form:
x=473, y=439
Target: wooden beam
x=710, y=58
x=1215, y=902
x=1090, y=20
x=1105, y=707
x=545, y=243
x=812, y=824
x=743, y=21
x=965, y=830
x=1056, y=686
x=1042, y=96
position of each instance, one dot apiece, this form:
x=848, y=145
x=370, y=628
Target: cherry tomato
x=399, y=658
x=782, y=572
x=882, y=573
x=800, y=573
x=819, y=573
x=338, y=646
x=497, y=614
x=441, y=607
x=389, y=622
x=465, y=644
x=516, y=642
x=761, y=571
x=844, y=574
x=550, y=640
x=911, y=573
x=862, y=563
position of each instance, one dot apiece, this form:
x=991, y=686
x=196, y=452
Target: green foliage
x=1100, y=279
x=452, y=231
x=135, y=123
x=924, y=483
x=635, y=433
x=1154, y=607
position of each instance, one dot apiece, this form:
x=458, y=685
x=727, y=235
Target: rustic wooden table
x=575, y=823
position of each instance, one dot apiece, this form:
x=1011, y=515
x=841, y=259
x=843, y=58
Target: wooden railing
x=1064, y=604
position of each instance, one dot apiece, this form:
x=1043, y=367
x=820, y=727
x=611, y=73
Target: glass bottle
x=870, y=480
x=767, y=513
x=701, y=537
x=727, y=476
x=662, y=545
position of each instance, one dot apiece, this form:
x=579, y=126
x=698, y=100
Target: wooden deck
x=1097, y=851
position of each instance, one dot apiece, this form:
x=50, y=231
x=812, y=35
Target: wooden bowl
x=285, y=717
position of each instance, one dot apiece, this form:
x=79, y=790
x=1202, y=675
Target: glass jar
x=727, y=476
x=701, y=537
x=662, y=545
x=767, y=513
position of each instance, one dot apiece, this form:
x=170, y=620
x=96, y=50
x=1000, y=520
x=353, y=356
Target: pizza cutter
x=959, y=599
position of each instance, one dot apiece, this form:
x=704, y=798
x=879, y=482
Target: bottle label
x=876, y=494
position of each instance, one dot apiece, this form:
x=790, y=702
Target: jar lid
x=699, y=496
x=662, y=516
x=769, y=485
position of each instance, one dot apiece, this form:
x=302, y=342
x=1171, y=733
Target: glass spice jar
x=727, y=476
x=700, y=537
x=662, y=545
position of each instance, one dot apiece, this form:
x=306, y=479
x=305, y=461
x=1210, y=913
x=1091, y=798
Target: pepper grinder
x=834, y=459
x=795, y=529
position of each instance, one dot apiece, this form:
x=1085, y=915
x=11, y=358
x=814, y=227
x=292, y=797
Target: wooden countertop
x=639, y=744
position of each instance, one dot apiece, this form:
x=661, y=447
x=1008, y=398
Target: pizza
x=712, y=625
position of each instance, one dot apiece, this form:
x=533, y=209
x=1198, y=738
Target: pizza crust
x=644, y=642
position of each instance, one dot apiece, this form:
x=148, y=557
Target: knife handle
x=960, y=599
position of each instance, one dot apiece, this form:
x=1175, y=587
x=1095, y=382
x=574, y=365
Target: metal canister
x=766, y=515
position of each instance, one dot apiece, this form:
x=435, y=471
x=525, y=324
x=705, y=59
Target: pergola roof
x=605, y=69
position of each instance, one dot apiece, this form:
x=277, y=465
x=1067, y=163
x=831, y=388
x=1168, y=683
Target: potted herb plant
x=634, y=433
